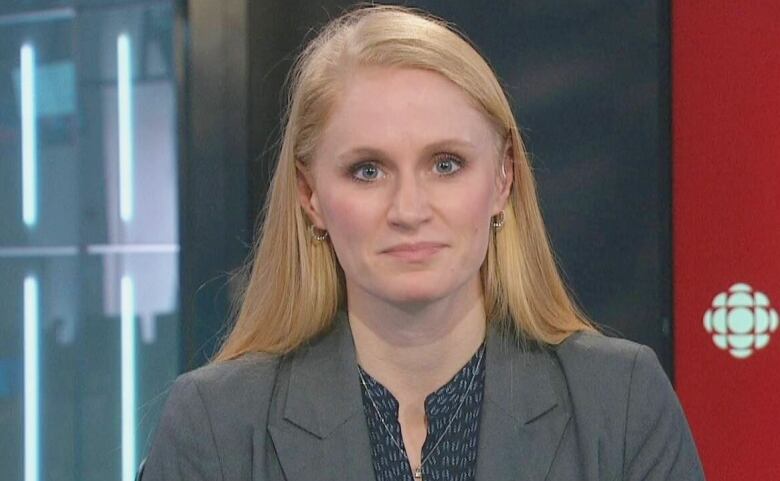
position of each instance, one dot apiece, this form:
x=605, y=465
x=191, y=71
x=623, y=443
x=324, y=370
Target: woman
x=404, y=318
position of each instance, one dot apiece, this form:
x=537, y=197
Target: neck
x=414, y=352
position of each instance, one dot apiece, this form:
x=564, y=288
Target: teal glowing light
x=31, y=380
x=29, y=134
x=128, y=378
x=125, y=109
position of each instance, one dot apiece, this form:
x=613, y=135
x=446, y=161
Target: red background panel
x=726, y=208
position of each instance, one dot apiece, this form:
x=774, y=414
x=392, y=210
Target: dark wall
x=213, y=167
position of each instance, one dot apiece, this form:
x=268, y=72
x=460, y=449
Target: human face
x=404, y=179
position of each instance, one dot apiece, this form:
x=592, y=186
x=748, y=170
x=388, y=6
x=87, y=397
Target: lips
x=415, y=251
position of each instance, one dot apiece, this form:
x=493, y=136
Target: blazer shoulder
x=234, y=395
x=622, y=396
x=258, y=368
x=610, y=359
x=599, y=369
x=592, y=347
x=209, y=418
x=236, y=387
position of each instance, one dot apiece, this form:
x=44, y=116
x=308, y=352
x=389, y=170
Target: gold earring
x=315, y=235
x=497, y=221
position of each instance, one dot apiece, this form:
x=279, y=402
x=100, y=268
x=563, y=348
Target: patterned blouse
x=450, y=448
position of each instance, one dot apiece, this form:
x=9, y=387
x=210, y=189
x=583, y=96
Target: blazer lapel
x=523, y=417
x=320, y=431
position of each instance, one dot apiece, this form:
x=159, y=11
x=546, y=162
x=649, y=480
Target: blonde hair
x=295, y=285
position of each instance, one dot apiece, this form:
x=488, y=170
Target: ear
x=505, y=177
x=307, y=195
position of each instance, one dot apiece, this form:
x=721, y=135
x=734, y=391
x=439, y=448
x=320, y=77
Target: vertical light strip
x=31, y=380
x=29, y=134
x=125, y=109
x=128, y=379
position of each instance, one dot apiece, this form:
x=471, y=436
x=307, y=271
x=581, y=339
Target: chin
x=409, y=287
x=415, y=292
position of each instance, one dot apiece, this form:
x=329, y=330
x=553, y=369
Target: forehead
x=388, y=107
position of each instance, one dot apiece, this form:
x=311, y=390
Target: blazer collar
x=328, y=369
x=320, y=433
x=524, y=413
x=522, y=420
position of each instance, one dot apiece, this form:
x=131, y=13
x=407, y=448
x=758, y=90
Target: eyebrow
x=444, y=144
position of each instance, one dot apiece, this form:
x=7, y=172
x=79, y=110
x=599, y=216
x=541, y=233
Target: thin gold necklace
x=418, y=470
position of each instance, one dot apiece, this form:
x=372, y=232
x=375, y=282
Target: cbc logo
x=741, y=320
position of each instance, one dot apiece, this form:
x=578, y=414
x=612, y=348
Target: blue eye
x=448, y=164
x=369, y=170
x=444, y=165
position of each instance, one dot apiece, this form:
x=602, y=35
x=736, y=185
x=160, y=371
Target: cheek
x=473, y=210
x=471, y=214
x=348, y=221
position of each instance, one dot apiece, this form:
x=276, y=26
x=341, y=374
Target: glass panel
x=89, y=238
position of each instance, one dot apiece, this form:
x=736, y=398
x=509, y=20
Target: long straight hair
x=292, y=286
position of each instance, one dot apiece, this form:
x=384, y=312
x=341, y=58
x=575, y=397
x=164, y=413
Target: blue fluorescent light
x=128, y=378
x=31, y=380
x=29, y=134
x=125, y=106
x=37, y=16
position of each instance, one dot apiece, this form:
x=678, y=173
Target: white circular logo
x=741, y=320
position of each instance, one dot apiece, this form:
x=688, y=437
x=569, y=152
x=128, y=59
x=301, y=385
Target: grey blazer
x=594, y=408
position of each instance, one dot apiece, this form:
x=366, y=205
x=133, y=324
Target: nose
x=409, y=206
